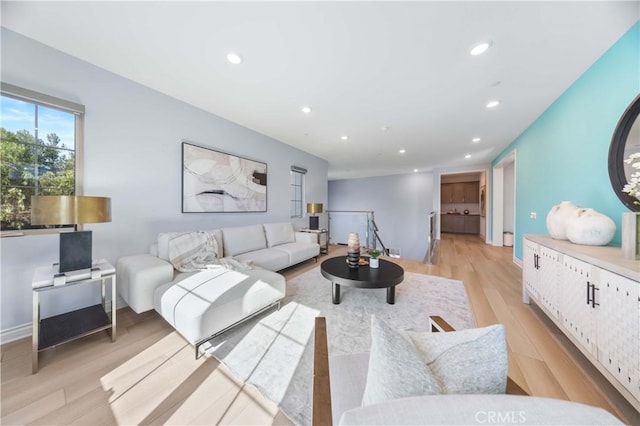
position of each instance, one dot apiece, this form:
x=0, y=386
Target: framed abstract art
x=215, y=181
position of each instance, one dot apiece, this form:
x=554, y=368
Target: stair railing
x=432, y=241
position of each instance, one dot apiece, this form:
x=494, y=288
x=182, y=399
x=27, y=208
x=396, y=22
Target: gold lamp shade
x=69, y=209
x=314, y=208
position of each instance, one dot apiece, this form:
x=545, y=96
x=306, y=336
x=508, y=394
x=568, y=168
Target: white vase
x=557, y=219
x=588, y=227
x=374, y=262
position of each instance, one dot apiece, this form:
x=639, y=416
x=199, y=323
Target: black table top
x=337, y=270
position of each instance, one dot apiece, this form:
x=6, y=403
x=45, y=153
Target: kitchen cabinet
x=471, y=224
x=471, y=192
x=460, y=192
x=460, y=224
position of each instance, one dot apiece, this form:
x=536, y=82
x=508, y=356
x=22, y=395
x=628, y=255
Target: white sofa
x=201, y=304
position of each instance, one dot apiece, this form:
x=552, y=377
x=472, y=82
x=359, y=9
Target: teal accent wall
x=563, y=155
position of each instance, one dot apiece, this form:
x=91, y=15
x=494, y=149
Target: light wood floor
x=149, y=375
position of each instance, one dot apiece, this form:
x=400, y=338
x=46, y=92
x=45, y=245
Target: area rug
x=274, y=351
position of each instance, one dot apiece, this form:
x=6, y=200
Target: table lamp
x=75, y=247
x=314, y=221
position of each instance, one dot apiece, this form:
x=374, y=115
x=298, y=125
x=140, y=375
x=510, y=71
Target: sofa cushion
x=395, y=368
x=243, y=239
x=298, y=252
x=165, y=237
x=466, y=361
x=209, y=301
x=270, y=259
x=279, y=233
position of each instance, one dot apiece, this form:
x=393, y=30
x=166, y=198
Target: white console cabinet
x=593, y=295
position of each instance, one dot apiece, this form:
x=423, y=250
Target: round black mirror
x=625, y=142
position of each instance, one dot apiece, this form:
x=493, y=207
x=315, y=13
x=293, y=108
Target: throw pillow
x=193, y=251
x=466, y=361
x=395, y=367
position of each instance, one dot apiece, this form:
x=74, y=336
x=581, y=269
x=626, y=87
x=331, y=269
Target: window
x=41, y=138
x=297, y=190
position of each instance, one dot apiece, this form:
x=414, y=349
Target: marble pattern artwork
x=214, y=181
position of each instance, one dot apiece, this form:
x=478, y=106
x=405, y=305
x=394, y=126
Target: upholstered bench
x=207, y=303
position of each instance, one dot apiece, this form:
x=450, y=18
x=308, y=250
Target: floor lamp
x=314, y=221
x=75, y=247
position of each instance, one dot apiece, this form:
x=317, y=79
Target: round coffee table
x=387, y=275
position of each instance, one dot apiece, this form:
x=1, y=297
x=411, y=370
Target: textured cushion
x=395, y=368
x=348, y=373
x=243, y=239
x=165, y=237
x=193, y=251
x=466, y=361
x=279, y=233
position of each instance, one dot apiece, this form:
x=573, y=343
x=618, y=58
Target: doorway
x=462, y=210
x=504, y=201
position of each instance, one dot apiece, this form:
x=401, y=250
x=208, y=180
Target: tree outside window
x=37, y=157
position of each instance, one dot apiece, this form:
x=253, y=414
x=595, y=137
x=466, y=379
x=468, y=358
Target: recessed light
x=467, y=156
x=306, y=109
x=493, y=104
x=234, y=58
x=475, y=140
x=344, y=138
x=402, y=151
x=384, y=128
x=415, y=170
x=480, y=48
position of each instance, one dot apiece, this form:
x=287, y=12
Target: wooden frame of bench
x=321, y=413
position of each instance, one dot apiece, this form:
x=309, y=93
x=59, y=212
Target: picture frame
x=218, y=182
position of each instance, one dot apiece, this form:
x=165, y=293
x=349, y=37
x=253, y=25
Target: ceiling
x=362, y=67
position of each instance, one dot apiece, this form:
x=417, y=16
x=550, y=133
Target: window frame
x=78, y=110
x=302, y=173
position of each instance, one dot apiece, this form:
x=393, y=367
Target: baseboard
x=15, y=333
x=517, y=262
x=21, y=331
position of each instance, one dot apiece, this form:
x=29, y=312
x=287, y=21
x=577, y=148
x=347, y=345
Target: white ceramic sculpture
x=591, y=228
x=557, y=219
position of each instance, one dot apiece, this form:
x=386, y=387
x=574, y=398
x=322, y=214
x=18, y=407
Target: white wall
x=133, y=155
x=508, y=218
x=483, y=219
x=401, y=204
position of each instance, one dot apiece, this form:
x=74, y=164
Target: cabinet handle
x=588, y=293
x=593, y=296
